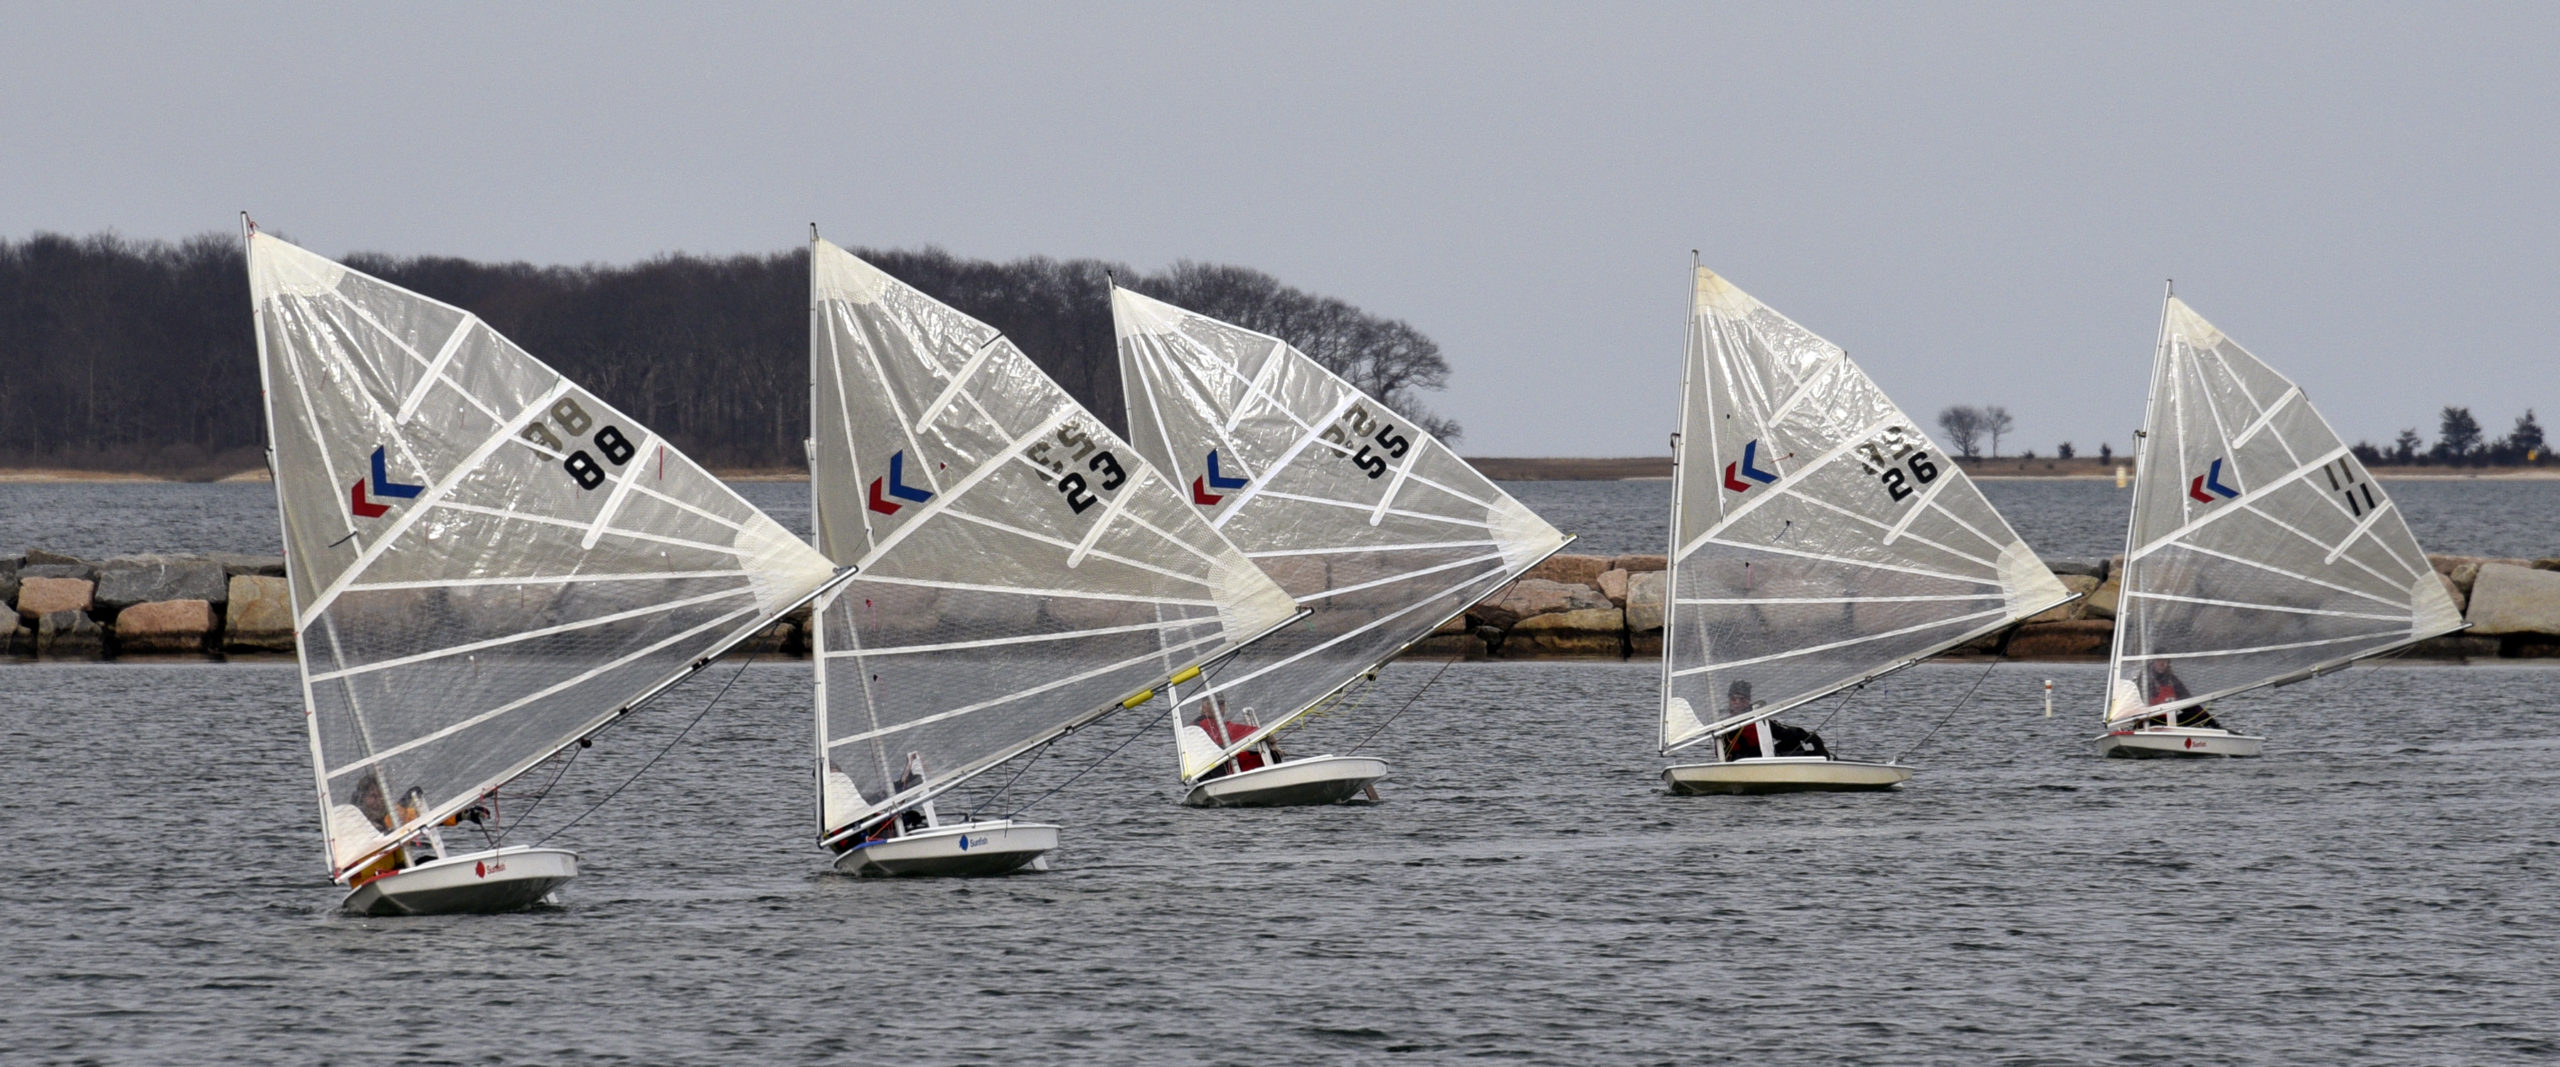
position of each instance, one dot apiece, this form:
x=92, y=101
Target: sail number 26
x=1893, y=452
x=1360, y=426
x=574, y=421
x=1072, y=484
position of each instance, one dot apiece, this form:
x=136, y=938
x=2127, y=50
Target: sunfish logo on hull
x=362, y=506
x=1749, y=467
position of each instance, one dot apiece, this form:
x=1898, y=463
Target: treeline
x=118, y=354
x=2460, y=442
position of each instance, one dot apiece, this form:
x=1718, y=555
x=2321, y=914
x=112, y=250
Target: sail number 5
x=573, y=420
x=1893, y=452
x=1072, y=484
x=1358, y=425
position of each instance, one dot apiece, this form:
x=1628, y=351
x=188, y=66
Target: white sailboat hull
x=2155, y=742
x=1783, y=774
x=1313, y=780
x=998, y=846
x=476, y=883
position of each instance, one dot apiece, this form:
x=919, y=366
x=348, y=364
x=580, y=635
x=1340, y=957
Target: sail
x=1818, y=536
x=2259, y=549
x=1022, y=570
x=486, y=561
x=1372, y=524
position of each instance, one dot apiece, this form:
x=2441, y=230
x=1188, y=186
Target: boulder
x=1460, y=645
x=1645, y=645
x=1644, y=603
x=1613, y=584
x=1536, y=596
x=2101, y=601
x=80, y=571
x=1458, y=625
x=2062, y=640
x=235, y=565
x=2455, y=646
x=1575, y=570
x=2094, y=569
x=2078, y=583
x=260, y=617
x=19, y=641
x=1581, y=632
x=2550, y=563
x=39, y=597
x=69, y=633
x=1637, y=564
x=165, y=626
x=2465, y=569
x=129, y=580
x=2461, y=602
x=2508, y=599
x=37, y=557
x=2528, y=646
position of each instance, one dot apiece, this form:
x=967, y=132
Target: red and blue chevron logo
x=383, y=486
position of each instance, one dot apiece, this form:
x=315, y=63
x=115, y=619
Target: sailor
x=1745, y=743
x=2160, y=685
x=1223, y=731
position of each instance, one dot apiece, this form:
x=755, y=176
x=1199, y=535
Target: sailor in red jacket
x=1224, y=732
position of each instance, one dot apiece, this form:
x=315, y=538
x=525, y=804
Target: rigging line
x=1417, y=695
x=1143, y=727
x=1951, y=713
x=661, y=753
x=538, y=798
x=1845, y=696
x=1043, y=750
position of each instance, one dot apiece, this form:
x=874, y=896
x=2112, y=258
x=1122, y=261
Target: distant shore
x=1499, y=468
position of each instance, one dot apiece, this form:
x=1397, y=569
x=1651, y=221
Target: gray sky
x=1979, y=201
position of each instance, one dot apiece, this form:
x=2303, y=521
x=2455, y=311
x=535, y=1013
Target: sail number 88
x=573, y=421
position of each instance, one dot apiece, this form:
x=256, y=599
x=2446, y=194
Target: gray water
x=2381, y=888
x=2061, y=517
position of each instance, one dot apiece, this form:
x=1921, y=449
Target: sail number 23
x=574, y=421
x=1360, y=426
x=1894, y=452
x=1072, y=484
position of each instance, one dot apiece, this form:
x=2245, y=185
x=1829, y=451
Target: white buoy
x=2048, y=698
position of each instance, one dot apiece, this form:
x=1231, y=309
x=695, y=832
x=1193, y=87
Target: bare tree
x=1963, y=424
x=1996, y=421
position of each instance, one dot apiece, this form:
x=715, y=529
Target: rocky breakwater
x=1611, y=607
x=65, y=607
x=1568, y=607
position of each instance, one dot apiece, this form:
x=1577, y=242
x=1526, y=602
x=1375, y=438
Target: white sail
x=1022, y=569
x=1818, y=536
x=1375, y=526
x=487, y=562
x=2259, y=549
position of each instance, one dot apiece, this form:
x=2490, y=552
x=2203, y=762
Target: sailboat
x=1372, y=523
x=2260, y=551
x=1819, y=540
x=488, y=564
x=1023, y=572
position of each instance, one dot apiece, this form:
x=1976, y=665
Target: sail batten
x=1353, y=508
x=1819, y=539
x=2253, y=558
x=466, y=608
x=1024, y=570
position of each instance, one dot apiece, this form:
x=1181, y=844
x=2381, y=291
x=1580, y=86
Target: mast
x=1679, y=492
x=2141, y=490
